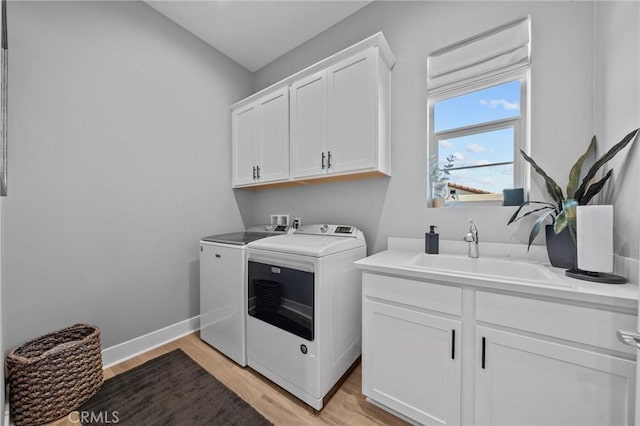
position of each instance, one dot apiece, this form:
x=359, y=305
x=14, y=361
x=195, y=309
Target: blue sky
x=493, y=103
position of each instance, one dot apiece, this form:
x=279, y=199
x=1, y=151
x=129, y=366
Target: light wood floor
x=347, y=406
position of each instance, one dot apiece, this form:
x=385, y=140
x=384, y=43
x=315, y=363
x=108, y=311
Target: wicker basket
x=54, y=374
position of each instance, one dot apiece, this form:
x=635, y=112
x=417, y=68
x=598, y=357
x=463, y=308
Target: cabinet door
x=222, y=300
x=274, y=112
x=411, y=362
x=309, y=125
x=245, y=143
x=528, y=381
x=351, y=113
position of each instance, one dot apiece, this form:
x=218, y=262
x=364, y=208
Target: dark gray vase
x=561, y=248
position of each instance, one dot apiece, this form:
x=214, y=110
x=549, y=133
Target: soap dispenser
x=431, y=241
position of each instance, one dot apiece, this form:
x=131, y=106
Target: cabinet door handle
x=453, y=344
x=329, y=160
x=630, y=338
x=254, y=172
x=323, y=160
x=258, y=172
x=484, y=351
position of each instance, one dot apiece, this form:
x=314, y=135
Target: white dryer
x=223, y=292
x=304, y=308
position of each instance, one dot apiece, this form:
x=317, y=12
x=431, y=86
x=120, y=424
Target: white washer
x=304, y=310
x=223, y=292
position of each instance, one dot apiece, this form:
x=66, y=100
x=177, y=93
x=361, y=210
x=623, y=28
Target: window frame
x=521, y=125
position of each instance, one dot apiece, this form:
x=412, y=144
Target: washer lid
x=252, y=233
x=237, y=238
x=307, y=245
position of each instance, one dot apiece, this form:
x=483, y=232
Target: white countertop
x=394, y=260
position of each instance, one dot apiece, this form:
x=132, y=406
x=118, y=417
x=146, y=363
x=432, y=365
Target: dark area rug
x=169, y=390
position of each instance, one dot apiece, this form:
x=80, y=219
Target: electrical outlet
x=279, y=219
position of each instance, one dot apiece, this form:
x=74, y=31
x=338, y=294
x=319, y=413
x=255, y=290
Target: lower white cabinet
x=441, y=354
x=521, y=380
x=412, y=362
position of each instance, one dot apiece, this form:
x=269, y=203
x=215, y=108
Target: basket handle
x=23, y=360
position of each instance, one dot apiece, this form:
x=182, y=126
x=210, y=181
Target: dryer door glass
x=282, y=297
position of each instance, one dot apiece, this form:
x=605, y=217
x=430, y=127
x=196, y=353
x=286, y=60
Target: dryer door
x=282, y=297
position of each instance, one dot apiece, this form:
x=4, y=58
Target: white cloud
x=487, y=180
x=458, y=156
x=494, y=103
x=506, y=170
x=475, y=148
x=445, y=143
x=482, y=162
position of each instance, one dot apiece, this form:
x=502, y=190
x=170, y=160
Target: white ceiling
x=254, y=33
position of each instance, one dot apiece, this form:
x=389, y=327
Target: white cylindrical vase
x=594, y=239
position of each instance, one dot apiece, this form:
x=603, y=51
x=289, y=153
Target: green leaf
x=595, y=188
x=572, y=230
x=568, y=219
x=532, y=212
x=574, y=174
x=552, y=187
x=515, y=217
x=580, y=192
x=535, y=230
x=569, y=206
x=561, y=222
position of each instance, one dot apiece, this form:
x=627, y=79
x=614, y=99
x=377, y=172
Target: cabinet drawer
x=590, y=326
x=435, y=297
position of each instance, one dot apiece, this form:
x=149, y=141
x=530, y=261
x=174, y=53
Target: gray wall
x=120, y=154
x=119, y=162
x=617, y=111
x=562, y=113
x=2, y=323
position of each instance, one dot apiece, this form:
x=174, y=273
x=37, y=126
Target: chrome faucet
x=472, y=239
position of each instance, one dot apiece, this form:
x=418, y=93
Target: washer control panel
x=344, y=230
x=329, y=230
x=280, y=229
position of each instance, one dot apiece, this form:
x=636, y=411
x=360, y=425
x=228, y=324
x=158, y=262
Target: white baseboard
x=392, y=411
x=131, y=348
x=126, y=350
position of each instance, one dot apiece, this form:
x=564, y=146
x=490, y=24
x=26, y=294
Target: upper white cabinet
x=309, y=125
x=246, y=143
x=274, y=165
x=353, y=140
x=260, y=146
x=334, y=113
x=338, y=121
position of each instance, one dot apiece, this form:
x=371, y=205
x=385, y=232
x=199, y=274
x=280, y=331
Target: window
x=478, y=136
x=477, y=94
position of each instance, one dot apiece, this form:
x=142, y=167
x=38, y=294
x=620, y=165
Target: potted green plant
x=562, y=212
x=439, y=179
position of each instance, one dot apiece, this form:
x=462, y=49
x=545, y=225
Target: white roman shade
x=494, y=52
